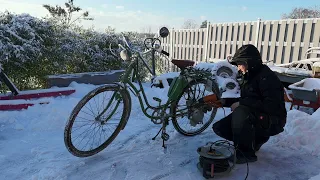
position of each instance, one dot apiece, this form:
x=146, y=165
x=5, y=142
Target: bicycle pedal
x=156, y=99
x=157, y=85
x=165, y=136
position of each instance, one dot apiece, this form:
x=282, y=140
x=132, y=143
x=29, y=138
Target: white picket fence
x=281, y=41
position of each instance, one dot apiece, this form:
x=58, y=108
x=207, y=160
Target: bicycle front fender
x=123, y=88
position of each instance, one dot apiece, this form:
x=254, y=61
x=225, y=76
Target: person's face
x=242, y=68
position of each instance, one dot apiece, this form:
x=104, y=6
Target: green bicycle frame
x=177, y=86
x=132, y=72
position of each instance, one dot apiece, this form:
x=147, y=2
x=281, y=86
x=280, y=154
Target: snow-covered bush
x=22, y=37
x=31, y=48
x=83, y=51
x=22, y=42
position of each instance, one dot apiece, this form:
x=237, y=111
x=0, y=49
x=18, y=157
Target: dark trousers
x=244, y=127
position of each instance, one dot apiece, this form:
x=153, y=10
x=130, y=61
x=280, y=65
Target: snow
x=78, y=75
x=22, y=101
x=277, y=69
x=308, y=84
x=163, y=78
x=301, y=133
x=214, y=67
x=315, y=177
x=227, y=92
x=301, y=72
x=294, y=71
x=287, y=69
x=222, y=79
x=32, y=147
x=316, y=64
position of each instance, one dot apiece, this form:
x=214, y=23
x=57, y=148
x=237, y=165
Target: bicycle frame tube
x=114, y=109
x=132, y=70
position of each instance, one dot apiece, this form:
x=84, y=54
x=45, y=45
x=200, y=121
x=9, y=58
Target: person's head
x=247, y=58
x=242, y=67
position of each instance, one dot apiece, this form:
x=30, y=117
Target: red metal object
x=13, y=107
x=6, y=105
x=35, y=95
x=17, y=100
x=314, y=105
x=212, y=100
x=297, y=102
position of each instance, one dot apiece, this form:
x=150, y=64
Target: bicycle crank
x=157, y=113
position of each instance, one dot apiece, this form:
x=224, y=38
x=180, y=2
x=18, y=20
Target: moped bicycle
x=87, y=133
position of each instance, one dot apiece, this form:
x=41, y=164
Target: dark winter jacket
x=261, y=89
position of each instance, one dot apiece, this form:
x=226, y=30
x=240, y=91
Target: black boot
x=260, y=142
x=243, y=135
x=245, y=157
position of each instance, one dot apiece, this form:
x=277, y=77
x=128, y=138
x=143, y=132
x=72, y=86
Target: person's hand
x=221, y=102
x=234, y=106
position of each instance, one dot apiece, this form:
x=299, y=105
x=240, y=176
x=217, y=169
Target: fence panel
x=282, y=41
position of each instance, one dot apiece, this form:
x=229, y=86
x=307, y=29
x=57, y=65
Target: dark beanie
x=247, y=54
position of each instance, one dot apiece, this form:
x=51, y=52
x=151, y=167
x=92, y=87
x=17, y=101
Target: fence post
x=206, y=43
x=171, y=43
x=257, y=32
x=171, y=49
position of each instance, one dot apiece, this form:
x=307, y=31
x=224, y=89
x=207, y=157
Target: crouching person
x=259, y=112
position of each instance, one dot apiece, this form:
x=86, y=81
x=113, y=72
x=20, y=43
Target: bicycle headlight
x=124, y=55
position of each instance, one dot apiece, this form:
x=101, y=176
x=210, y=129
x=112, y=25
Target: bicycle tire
x=173, y=109
x=124, y=118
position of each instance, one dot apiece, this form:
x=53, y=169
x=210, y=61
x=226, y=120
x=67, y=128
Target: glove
x=234, y=106
x=213, y=100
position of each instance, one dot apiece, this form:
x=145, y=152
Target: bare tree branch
x=189, y=24
x=303, y=13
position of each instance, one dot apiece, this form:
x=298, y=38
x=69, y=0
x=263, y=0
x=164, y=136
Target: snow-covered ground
x=32, y=147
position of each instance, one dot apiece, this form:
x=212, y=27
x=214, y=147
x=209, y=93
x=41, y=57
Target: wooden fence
x=281, y=41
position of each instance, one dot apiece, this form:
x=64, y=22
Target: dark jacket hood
x=248, y=54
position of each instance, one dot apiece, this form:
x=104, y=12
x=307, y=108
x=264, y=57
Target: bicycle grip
x=165, y=53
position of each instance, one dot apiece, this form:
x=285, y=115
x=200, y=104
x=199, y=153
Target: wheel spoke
x=88, y=131
x=185, y=110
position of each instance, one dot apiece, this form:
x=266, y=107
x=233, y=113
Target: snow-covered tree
x=65, y=15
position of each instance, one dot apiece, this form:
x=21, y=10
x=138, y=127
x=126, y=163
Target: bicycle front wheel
x=96, y=120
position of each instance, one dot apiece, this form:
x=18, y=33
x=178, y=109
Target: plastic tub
x=307, y=89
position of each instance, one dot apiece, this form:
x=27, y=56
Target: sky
x=145, y=15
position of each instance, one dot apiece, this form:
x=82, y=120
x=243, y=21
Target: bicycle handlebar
x=155, y=44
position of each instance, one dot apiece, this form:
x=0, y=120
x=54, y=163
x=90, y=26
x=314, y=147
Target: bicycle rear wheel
x=201, y=117
x=86, y=132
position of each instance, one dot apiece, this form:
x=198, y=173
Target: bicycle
x=120, y=102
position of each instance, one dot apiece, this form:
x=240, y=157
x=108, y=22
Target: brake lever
x=123, y=48
x=126, y=42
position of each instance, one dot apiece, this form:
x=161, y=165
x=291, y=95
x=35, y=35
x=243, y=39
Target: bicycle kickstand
x=164, y=135
x=157, y=134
